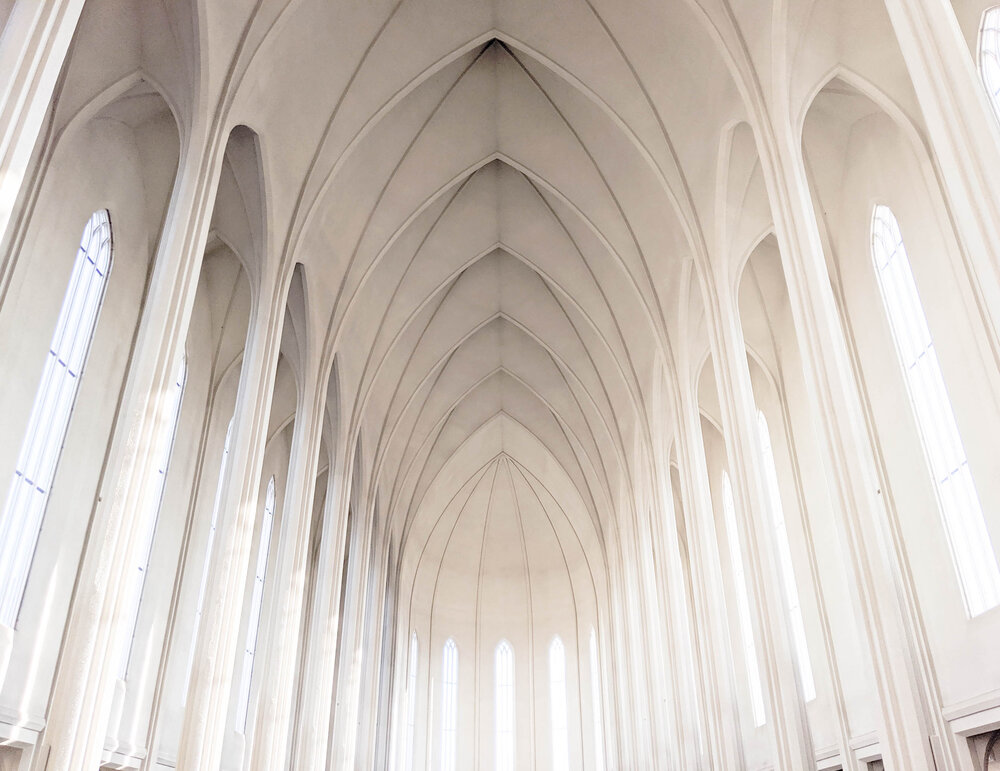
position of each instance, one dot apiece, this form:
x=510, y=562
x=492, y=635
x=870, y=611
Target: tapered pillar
x=719, y=701
x=319, y=670
x=271, y=735
x=787, y=715
x=963, y=133
x=33, y=48
x=208, y=692
x=861, y=517
x=85, y=677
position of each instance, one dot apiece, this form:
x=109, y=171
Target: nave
x=494, y=385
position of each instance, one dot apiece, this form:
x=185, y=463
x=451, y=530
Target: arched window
x=48, y=422
x=989, y=56
x=449, y=704
x=256, y=599
x=557, y=701
x=595, y=701
x=742, y=603
x=784, y=554
x=504, y=706
x=223, y=466
x=958, y=500
x=166, y=431
x=411, y=702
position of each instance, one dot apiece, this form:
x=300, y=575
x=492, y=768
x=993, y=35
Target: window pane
x=557, y=700
x=165, y=431
x=784, y=554
x=449, y=705
x=964, y=523
x=989, y=56
x=48, y=422
x=742, y=603
x=595, y=701
x=504, y=706
x=256, y=601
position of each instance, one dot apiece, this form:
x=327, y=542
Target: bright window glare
x=256, y=601
x=504, y=707
x=964, y=523
x=557, y=701
x=449, y=705
x=48, y=422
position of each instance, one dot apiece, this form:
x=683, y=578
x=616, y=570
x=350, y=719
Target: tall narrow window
x=504, y=706
x=964, y=524
x=557, y=702
x=411, y=702
x=449, y=705
x=595, y=701
x=166, y=430
x=989, y=56
x=48, y=422
x=742, y=603
x=256, y=600
x=223, y=466
x=784, y=553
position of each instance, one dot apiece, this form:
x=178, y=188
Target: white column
x=33, y=47
x=85, y=677
x=274, y=707
x=319, y=671
x=963, y=133
x=840, y=424
x=723, y=748
x=205, y=714
x=786, y=706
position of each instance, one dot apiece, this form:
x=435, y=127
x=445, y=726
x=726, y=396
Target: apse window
x=962, y=515
x=504, y=706
x=557, y=703
x=411, y=701
x=48, y=421
x=742, y=603
x=256, y=601
x=595, y=700
x=989, y=56
x=784, y=554
x=166, y=430
x=209, y=547
x=449, y=705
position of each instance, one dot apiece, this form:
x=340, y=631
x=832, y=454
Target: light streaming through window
x=742, y=603
x=989, y=56
x=256, y=601
x=958, y=500
x=48, y=422
x=449, y=705
x=784, y=554
x=557, y=701
x=411, y=702
x=166, y=431
x=504, y=706
x=595, y=701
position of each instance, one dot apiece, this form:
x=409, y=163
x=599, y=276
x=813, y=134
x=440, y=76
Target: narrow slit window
x=742, y=603
x=28, y=495
x=165, y=433
x=989, y=56
x=256, y=601
x=595, y=701
x=217, y=504
x=504, y=706
x=411, y=702
x=784, y=554
x=449, y=705
x=557, y=703
x=958, y=501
